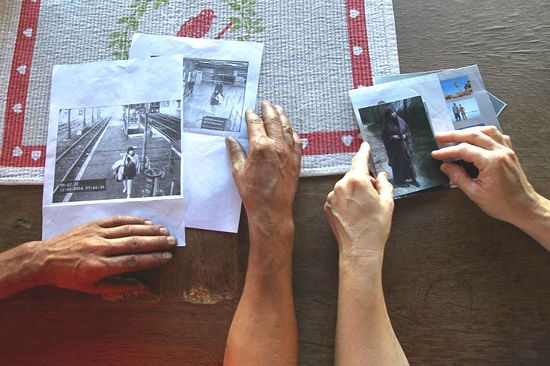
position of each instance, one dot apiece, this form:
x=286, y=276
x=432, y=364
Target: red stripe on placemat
x=332, y=142
x=359, y=43
x=14, y=154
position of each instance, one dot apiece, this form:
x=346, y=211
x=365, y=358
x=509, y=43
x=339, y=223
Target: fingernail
x=164, y=231
x=148, y=222
x=167, y=255
x=266, y=102
x=172, y=240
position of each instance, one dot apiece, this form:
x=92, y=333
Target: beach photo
x=402, y=140
x=463, y=110
x=457, y=88
x=118, y=152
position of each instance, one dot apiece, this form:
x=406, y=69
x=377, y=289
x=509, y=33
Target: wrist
x=537, y=211
x=33, y=262
x=18, y=270
x=536, y=217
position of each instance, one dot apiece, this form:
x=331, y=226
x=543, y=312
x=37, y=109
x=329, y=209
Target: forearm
x=537, y=223
x=18, y=270
x=364, y=334
x=263, y=331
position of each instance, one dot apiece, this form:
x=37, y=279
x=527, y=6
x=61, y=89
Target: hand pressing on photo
x=501, y=189
x=88, y=258
x=263, y=331
x=360, y=211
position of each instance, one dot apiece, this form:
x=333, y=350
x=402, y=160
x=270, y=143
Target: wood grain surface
x=462, y=289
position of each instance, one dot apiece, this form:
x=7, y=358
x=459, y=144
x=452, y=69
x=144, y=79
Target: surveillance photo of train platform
x=214, y=95
x=118, y=152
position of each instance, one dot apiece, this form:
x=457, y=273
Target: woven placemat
x=315, y=52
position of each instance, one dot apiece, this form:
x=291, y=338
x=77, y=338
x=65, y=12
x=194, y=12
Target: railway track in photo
x=72, y=158
x=169, y=126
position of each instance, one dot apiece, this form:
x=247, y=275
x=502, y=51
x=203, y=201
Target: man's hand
x=360, y=209
x=502, y=189
x=87, y=257
x=268, y=178
x=263, y=331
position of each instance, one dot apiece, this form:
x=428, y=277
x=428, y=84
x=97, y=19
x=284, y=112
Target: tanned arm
x=263, y=331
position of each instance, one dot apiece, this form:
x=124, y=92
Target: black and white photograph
x=214, y=95
x=118, y=152
x=402, y=140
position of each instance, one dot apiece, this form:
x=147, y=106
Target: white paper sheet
x=105, y=103
x=212, y=200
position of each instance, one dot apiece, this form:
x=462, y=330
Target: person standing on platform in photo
x=126, y=169
x=397, y=139
x=463, y=112
x=217, y=96
x=456, y=111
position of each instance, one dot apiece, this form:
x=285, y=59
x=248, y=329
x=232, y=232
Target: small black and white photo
x=214, y=95
x=118, y=152
x=402, y=140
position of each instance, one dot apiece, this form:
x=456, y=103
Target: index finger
x=116, y=221
x=255, y=124
x=272, y=121
x=473, y=136
x=464, y=151
x=361, y=160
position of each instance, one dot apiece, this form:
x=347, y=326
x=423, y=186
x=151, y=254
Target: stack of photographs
x=399, y=118
x=141, y=137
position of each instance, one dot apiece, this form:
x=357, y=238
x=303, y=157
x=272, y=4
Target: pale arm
x=364, y=334
x=360, y=211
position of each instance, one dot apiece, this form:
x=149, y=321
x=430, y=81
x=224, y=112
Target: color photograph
x=402, y=141
x=463, y=110
x=457, y=88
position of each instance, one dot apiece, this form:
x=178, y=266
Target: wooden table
x=461, y=288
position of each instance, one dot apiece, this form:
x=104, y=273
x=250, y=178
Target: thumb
x=236, y=152
x=459, y=177
x=384, y=188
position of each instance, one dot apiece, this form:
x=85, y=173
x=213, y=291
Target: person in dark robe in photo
x=397, y=139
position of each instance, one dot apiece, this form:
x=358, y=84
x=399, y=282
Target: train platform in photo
x=197, y=106
x=110, y=147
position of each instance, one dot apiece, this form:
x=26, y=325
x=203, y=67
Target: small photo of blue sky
x=457, y=88
x=470, y=110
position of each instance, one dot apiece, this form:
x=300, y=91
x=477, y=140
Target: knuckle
x=255, y=120
x=339, y=188
x=131, y=261
x=493, y=130
x=127, y=230
x=273, y=120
